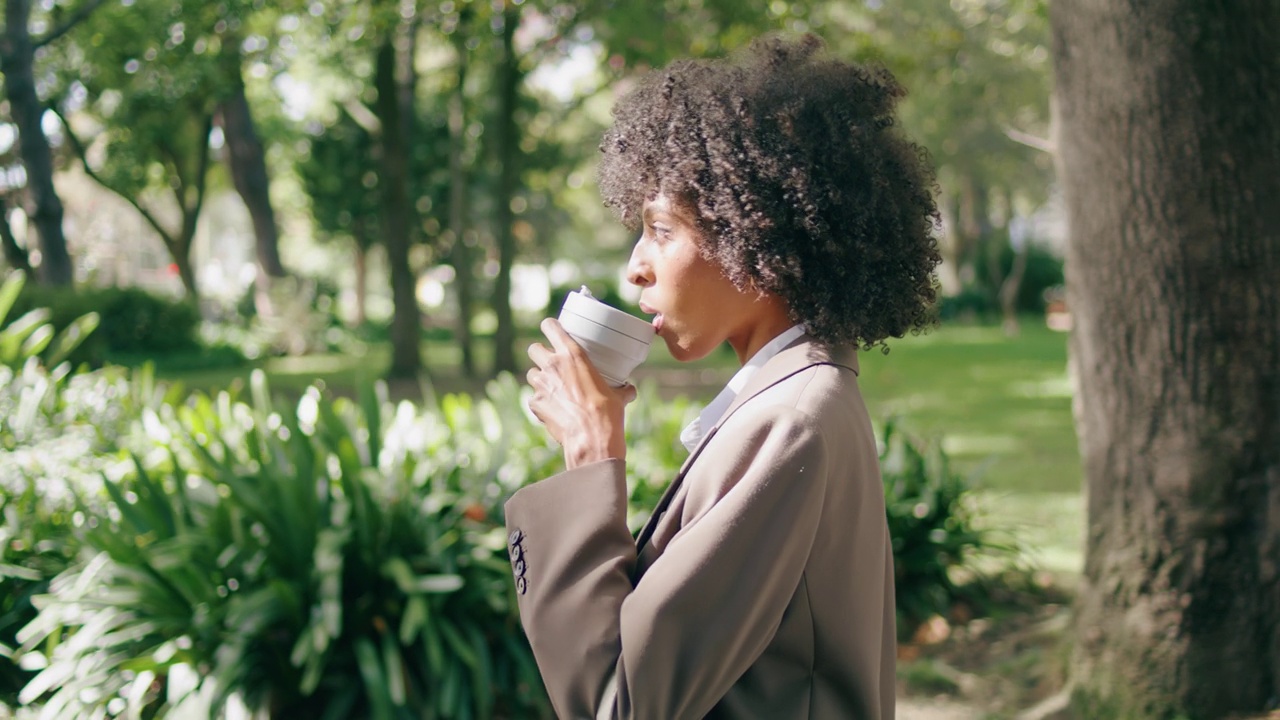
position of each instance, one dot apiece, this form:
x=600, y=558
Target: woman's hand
x=578, y=408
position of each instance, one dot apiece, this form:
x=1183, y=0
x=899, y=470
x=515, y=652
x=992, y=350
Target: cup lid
x=584, y=329
x=610, y=317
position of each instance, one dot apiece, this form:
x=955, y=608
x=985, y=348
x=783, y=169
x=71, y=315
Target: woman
x=782, y=213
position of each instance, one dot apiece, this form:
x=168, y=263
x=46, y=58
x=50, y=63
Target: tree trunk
x=17, y=56
x=189, y=194
x=393, y=143
x=362, y=281
x=181, y=252
x=247, y=161
x=460, y=253
x=13, y=253
x=1010, y=286
x=1169, y=156
x=508, y=148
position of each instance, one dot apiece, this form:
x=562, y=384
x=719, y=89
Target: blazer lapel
x=803, y=353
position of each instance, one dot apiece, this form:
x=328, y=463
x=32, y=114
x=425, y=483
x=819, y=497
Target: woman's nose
x=639, y=273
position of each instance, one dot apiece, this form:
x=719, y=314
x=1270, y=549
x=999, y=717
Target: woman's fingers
x=539, y=355
x=628, y=393
x=560, y=340
x=572, y=401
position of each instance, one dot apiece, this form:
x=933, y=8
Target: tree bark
x=1169, y=157
x=13, y=253
x=362, y=280
x=508, y=149
x=17, y=58
x=460, y=253
x=393, y=143
x=246, y=159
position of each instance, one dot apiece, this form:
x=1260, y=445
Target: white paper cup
x=615, y=341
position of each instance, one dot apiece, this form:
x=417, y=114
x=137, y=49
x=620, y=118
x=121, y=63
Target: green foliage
x=979, y=300
x=340, y=176
x=1044, y=272
x=933, y=528
x=654, y=450
x=58, y=432
x=30, y=336
x=331, y=558
x=136, y=326
x=335, y=559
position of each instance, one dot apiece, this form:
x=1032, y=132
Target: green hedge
x=135, y=324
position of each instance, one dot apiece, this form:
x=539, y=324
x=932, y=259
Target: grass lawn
x=1002, y=407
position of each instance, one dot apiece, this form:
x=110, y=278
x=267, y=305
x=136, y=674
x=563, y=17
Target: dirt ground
x=1011, y=665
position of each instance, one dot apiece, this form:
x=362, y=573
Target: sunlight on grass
x=1054, y=387
x=957, y=444
x=308, y=365
x=1050, y=526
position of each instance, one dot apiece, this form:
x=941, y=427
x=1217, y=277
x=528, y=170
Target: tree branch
x=363, y=116
x=202, y=171
x=1030, y=140
x=76, y=18
x=81, y=152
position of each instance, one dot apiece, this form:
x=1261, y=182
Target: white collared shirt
x=711, y=414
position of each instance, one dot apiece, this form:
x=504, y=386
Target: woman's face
x=695, y=306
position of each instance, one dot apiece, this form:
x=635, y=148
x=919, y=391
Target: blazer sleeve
x=673, y=644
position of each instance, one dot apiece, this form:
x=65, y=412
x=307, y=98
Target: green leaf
x=451, y=692
x=458, y=644
x=433, y=647
x=415, y=617
x=37, y=341
x=10, y=291
x=20, y=573
x=375, y=680
x=482, y=674
x=71, y=337
x=12, y=337
x=394, y=665
x=372, y=409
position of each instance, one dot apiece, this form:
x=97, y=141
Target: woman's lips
x=657, y=316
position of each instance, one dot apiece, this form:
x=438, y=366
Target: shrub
x=933, y=527
x=979, y=298
x=51, y=432
x=136, y=325
x=333, y=559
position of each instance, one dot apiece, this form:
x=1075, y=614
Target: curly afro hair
x=800, y=185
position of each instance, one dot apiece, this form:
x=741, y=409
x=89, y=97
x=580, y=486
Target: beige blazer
x=762, y=586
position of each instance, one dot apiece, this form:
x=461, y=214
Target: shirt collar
x=711, y=414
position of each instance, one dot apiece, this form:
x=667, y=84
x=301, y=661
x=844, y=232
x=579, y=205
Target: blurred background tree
x=18, y=50
x=482, y=120
x=140, y=97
